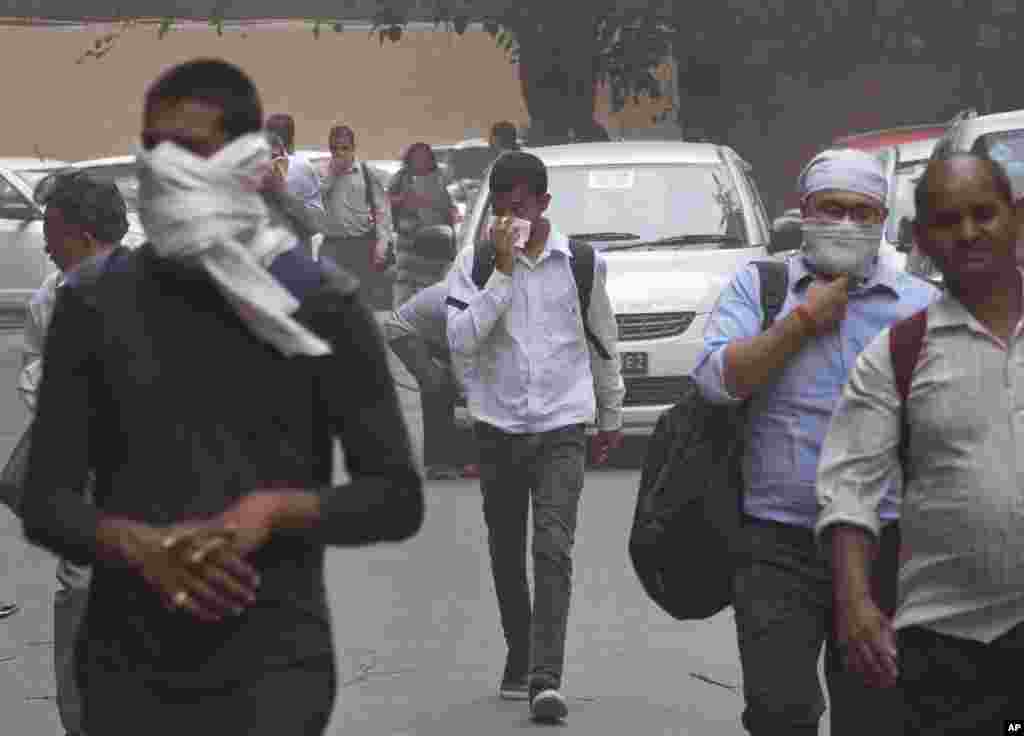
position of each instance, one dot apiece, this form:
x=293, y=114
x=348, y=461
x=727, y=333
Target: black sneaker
x=547, y=705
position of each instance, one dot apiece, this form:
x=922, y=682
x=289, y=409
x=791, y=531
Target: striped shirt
x=962, y=517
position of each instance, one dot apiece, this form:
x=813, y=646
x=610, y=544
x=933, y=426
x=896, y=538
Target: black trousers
x=955, y=686
x=297, y=700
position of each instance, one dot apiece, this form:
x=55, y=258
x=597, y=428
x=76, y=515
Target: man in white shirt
x=956, y=640
x=534, y=384
x=84, y=221
x=304, y=206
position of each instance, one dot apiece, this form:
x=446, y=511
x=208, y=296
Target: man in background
x=418, y=334
x=305, y=207
x=84, y=221
x=358, y=226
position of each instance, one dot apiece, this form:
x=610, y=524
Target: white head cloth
x=211, y=210
x=845, y=169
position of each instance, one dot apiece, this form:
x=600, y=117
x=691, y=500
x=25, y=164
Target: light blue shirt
x=790, y=416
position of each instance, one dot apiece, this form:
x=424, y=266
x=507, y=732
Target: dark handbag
x=686, y=540
x=12, y=480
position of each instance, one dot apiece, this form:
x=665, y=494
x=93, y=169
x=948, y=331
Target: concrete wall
x=431, y=86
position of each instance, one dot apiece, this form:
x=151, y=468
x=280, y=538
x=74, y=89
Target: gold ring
x=181, y=598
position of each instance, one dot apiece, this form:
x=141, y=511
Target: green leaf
x=316, y=29
x=165, y=27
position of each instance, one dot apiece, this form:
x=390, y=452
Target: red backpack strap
x=905, y=339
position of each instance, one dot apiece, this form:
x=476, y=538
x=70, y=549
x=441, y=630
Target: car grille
x=653, y=390
x=652, y=325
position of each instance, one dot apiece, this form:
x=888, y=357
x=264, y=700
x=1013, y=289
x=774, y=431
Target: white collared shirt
x=962, y=515
x=533, y=370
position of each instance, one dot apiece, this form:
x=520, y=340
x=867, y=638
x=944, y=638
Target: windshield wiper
x=604, y=236
x=680, y=240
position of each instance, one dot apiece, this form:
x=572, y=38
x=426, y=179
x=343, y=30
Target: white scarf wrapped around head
x=211, y=210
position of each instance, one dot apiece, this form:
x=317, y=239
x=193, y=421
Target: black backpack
x=690, y=500
x=582, y=263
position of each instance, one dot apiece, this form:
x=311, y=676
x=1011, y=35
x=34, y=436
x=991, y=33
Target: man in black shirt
x=203, y=378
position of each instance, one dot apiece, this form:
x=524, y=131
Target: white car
x=906, y=165
x=674, y=221
x=23, y=261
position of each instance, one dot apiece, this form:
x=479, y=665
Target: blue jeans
x=546, y=468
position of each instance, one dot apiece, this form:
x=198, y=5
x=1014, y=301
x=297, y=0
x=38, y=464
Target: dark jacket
x=152, y=380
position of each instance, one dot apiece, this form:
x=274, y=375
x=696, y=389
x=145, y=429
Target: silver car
x=23, y=263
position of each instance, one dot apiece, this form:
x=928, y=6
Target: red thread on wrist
x=804, y=315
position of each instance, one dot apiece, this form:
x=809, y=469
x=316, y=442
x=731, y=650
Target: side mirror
x=905, y=235
x=786, y=235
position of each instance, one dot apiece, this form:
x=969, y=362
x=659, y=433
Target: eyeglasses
x=862, y=214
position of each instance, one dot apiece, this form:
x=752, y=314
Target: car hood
x=672, y=279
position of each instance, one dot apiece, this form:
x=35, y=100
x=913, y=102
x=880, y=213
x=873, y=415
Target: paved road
x=416, y=626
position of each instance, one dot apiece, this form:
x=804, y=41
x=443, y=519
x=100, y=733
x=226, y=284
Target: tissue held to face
x=842, y=232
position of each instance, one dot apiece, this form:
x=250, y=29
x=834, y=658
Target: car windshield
x=651, y=201
x=1006, y=147
x=125, y=176
x=902, y=205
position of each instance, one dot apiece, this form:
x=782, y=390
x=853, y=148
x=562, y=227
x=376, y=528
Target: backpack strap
x=905, y=340
x=581, y=261
x=774, y=278
x=484, y=257
x=370, y=204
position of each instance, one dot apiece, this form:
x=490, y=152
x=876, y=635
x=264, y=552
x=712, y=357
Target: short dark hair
x=518, y=167
x=95, y=205
x=283, y=125
x=341, y=131
x=505, y=133
x=216, y=83
x=923, y=189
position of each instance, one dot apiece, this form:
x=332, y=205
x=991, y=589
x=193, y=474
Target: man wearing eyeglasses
x=839, y=296
x=84, y=221
x=358, y=230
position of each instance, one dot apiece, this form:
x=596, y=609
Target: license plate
x=634, y=364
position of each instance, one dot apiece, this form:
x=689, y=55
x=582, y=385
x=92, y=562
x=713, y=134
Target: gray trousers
x=68, y=610
x=546, y=468
x=353, y=254
x=784, y=613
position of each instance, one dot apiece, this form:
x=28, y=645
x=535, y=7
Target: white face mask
x=841, y=248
